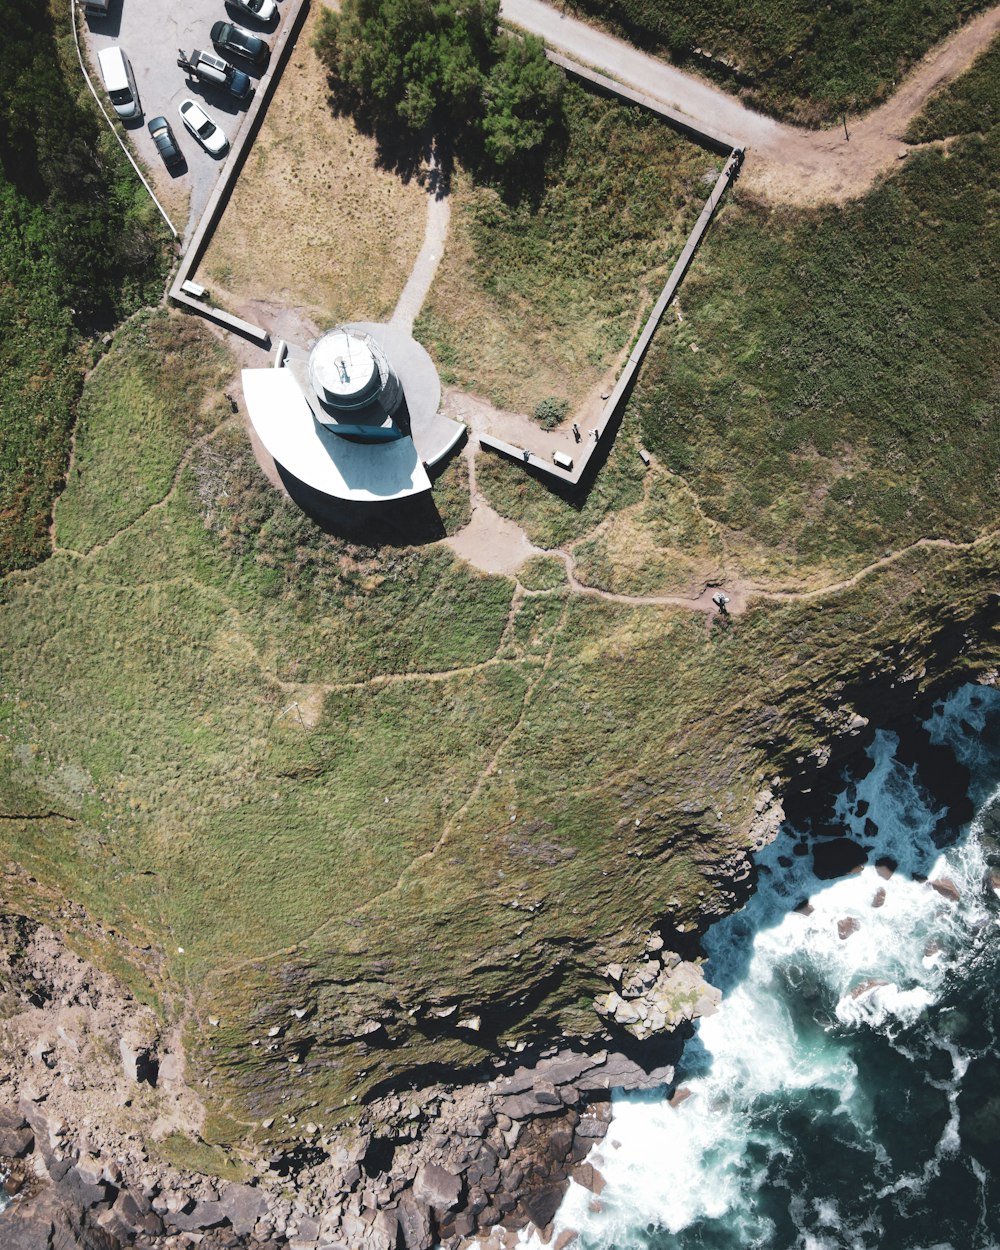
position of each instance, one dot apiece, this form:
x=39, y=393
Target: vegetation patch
x=80, y=245
x=970, y=105
x=161, y=387
x=661, y=546
x=536, y=298
x=366, y=782
x=315, y=219
x=552, y=518
x=542, y=573
x=831, y=392
x=808, y=62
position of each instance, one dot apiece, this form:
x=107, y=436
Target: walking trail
x=787, y=164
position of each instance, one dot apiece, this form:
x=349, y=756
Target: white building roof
x=362, y=472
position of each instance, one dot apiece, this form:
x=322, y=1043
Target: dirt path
x=786, y=164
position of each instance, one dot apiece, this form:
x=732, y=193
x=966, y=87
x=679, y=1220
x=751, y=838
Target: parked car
x=262, y=10
x=208, y=67
x=232, y=38
x=119, y=81
x=165, y=142
x=203, y=128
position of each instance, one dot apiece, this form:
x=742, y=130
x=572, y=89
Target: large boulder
x=438, y=1187
x=243, y=1206
x=47, y=1223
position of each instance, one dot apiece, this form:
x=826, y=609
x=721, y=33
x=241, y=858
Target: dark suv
x=165, y=142
x=233, y=38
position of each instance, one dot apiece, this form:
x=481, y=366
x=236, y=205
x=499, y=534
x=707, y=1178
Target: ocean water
x=847, y=1092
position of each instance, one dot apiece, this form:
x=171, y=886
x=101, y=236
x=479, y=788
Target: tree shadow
x=431, y=157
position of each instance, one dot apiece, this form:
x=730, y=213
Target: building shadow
x=413, y=521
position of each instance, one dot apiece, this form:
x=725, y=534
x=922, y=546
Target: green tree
x=445, y=68
x=522, y=100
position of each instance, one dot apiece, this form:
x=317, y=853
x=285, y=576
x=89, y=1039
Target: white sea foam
x=795, y=991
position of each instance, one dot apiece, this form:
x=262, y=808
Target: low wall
x=616, y=400
x=294, y=12
x=714, y=139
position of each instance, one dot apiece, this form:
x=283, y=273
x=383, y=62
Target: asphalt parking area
x=152, y=33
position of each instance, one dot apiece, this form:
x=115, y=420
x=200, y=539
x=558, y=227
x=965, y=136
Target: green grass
x=805, y=61
x=971, y=105
x=337, y=776
x=542, y=573
x=350, y=775
x=551, y=519
x=535, y=300
x=842, y=399
x=80, y=245
x=132, y=430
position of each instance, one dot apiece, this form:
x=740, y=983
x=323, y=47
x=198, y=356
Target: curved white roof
x=311, y=452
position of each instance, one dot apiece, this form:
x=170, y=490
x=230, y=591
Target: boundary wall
x=612, y=409
x=293, y=13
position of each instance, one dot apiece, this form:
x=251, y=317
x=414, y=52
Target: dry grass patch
x=313, y=220
x=537, y=298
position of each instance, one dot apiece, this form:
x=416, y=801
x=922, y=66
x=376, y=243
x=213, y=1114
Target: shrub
x=551, y=412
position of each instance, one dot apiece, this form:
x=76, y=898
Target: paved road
x=151, y=32
x=787, y=163
x=715, y=110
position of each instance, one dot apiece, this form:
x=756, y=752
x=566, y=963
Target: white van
x=119, y=81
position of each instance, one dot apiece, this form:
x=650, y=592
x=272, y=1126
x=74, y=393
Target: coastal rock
x=47, y=1222
x=847, y=926
x=837, y=857
x=946, y=888
x=659, y=997
x=15, y=1143
x=437, y=1187
x=138, y=1059
x=243, y=1206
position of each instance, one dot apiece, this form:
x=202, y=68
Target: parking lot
x=152, y=34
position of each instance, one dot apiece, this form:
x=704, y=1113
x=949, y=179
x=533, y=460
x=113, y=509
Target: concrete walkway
x=787, y=164
x=425, y=266
x=708, y=107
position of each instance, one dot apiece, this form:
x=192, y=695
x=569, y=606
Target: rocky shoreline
x=93, y=1092
x=89, y=1087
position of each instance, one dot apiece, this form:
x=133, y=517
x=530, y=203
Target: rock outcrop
x=87, y=1080
x=658, y=994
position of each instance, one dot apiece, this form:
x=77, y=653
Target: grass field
x=131, y=431
x=65, y=190
x=804, y=61
x=366, y=781
x=536, y=299
x=842, y=399
x=363, y=780
x=314, y=221
x=824, y=389
x=971, y=105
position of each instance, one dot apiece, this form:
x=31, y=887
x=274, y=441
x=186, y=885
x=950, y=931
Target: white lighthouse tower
x=353, y=380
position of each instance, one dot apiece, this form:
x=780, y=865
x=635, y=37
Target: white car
x=203, y=128
x=262, y=10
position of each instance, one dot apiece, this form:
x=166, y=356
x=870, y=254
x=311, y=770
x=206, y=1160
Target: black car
x=165, y=142
x=233, y=38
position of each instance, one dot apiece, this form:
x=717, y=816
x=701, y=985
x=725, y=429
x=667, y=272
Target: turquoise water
x=847, y=1093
